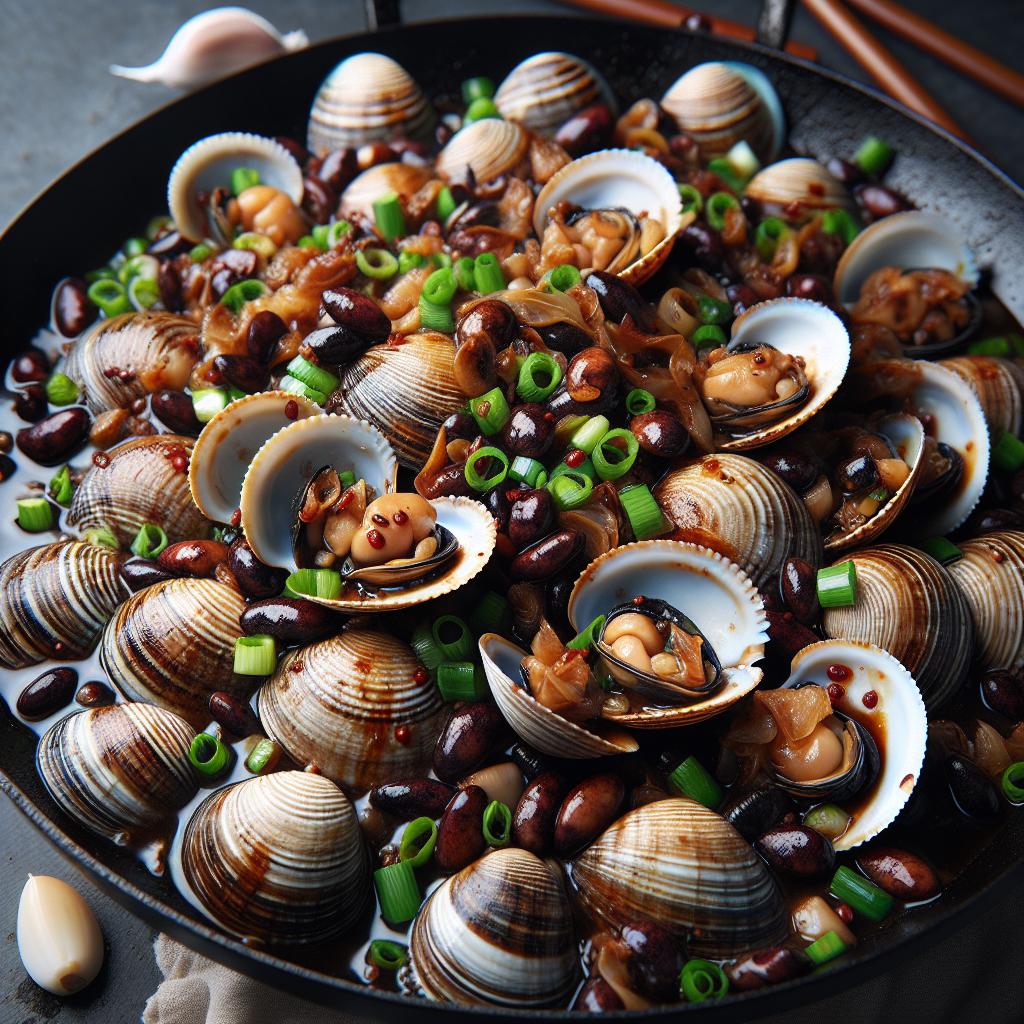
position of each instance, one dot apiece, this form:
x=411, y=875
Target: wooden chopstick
x=886, y=70
x=947, y=48
x=668, y=15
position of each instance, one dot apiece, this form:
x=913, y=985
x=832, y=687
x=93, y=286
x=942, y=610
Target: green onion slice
x=720, y=165
x=262, y=245
x=149, y=541
x=436, y=317
x=768, y=235
x=828, y=947
x=586, y=437
x=61, y=489
x=243, y=178
x=489, y=614
x=873, y=155
x=713, y=311
x=693, y=201
x=418, y=841
x=296, y=387
x=461, y=680
x=490, y=411
x=409, y=261
x=612, y=459
x=701, y=979
x=200, y=252
x=312, y=376
x=452, y=636
x=642, y=511
x=463, y=268
x=488, y=273
x=482, y=107
x=426, y=647
x=837, y=585
x=34, y=514
x=446, y=204
x=539, y=376
x=388, y=955
x=944, y=551
x=743, y=160
x=997, y=346
x=589, y=636
x=135, y=246
x=143, y=293
x=440, y=287
x=241, y=293
x=389, y=216
x=528, y=471
x=110, y=297
x=336, y=232
x=346, y=477
x=570, y=489
x=207, y=402
x=323, y=583
x=397, y=891
x=828, y=819
x=564, y=276
x=1012, y=781
x=485, y=483
x=209, y=755
x=586, y=467
x=692, y=779
x=1008, y=452
x=497, y=824
x=861, y=893
x=708, y=336
x=475, y=88
x=102, y=538
x=715, y=209
x=378, y=264
x=255, y=655
x=441, y=259
x=839, y=222
x=639, y=401
x=263, y=757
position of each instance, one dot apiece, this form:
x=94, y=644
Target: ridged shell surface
x=365, y=98
x=998, y=385
x=173, y=644
x=140, y=485
x=58, y=593
x=120, y=769
x=991, y=577
x=158, y=350
x=736, y=506
x=909, y=605
x=278, y=858
x=799, y=179
x=499, y=933
x=338, y=702
x=680, y=864
x=489, y=148
x=402, y=179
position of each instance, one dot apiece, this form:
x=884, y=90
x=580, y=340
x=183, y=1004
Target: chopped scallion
x=615, y=454
x=34, y=514
x=873, y=155
x=209, y=755
x=262, y=245
x=1008, y=452
x=828, y=819
x=389, y=216
x=482, y=107
x=463, y=268
x=563, y=277
x=586, y=436
x=207, y=402
x=475, y=88
x=839, y=222
x=387, y=955
x=539, y=376
x=418, y=841
x=322, y=583
x=376, y=263
x=570, y=489
x=488, y=273
x=692, y=779
x=861, y=893
x=717, y=205
x=708, y=336
x=639, y=401
x=768, y=235
x=944, y=551
x=409, y=261
x=700, y=980
x=446, y=204
x=149, y=541
x=528, y=471
x=243, y=178
x=61, y=389
x=490, y=411
x=691, y=198
x=397, y=891
x=102, y=538
x=263, y=757
x=296, y=387
x=473, y=476
x=241, y=293
x=313, y=376
x=828, y=947
x=61, y=489
x=837, y=585
x=255, y=655
x=642, y=511
x=427, y=650
x=497, y=824
x=436, y=317
x=110, y=296
x=1012, y=782
x=461, y=680
x=489, y=614
x=452, y=636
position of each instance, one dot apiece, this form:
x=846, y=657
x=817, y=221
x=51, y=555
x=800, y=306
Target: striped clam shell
x=366, y=98
x=798, y=179
x=140, y=485
x=278, y=858
x=338, y=703
x=742, y=510
x=489, y=148
x=991, y=577
x=998, y=384
x=120, y=769
x=405, y=180
x=545, y=90
x=499, y=933
x=173, y=644
x=58, y=593
x=680, y=864
x=158, y=350
x=909, y=605
x=407, y=390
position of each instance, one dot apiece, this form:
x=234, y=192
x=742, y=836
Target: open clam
x=999, y=386
x=489, y=148
x=405, y=180
x=707, y=597
x=621, y=189
x=798, y=188
x=206, y=166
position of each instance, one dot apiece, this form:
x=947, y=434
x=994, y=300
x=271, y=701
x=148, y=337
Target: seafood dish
x=527, y=546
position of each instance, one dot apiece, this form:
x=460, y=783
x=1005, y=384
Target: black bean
x=548, y=556
x=139, y=573
x=529, y=431
x=233, y=715
x=533, y=823
x=291, y=620
x=412, y=798
x=586, y=811
x=242, y=372
x=797, y=850
x=256, y=579
x=47, y=693
x=472, y=733
x=798, y=585
x=73, y=311
x=95, y=695
x=620, y=299
x=52, y=440
x=531, y=517
x=30, y=366
x=30, y=403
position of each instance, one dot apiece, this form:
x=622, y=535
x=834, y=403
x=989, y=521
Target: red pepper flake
x=575, y=458
x=111, y=371
x=126, y=376
x=380, y=520
x=639, y=599
x=291, y=408
x=101, y=460
x=180, y=463
x=759, y=358
x=549, y=417
x=403, y=734
x=870, y=699
x=839, y=673
x=236, y=517
x=58, y=646
x=296, y=666
x=375, y=539
x=845, y=913
x=998, y=556
x=483, y=409
x=400, y=518
x=346, y=499
x=835, y=692
x=512, y=495
x=420, y=676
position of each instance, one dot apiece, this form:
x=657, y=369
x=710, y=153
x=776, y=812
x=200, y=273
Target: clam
x=54, y=601
x=366, y=98
x=991, y=577
x=207, y=165
x=682, y=865
x=121, y=771
x=736, y=506
x=499, y=933
x=225, y=449
x=405, y=180
x=686, y=587
x=799, y=187
x=544, y=729
x=545, y=90
x=173, y=644
x=617, y=186
x=143, y=481
x=909, y=605
x=352, y=705
x=278, y=859
x=998, y=385
x=130, y=356
x=818, y=347
x=487, y=148
x=722, y=103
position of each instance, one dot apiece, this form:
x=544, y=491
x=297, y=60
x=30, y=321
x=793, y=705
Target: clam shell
x=545, y=90
x=908, y=605
x=139, y=485
x=680, y=864
x=225, y=449
x=157, y=349
x=338, y=703
x=120, y=769
x=208, y=163
x=909, y=240
x=402, y=179
x=173, y=644
x=286, y=462
x=899, y=716
x=367, y=97
x=407, y=390
x=489, y=148
x=545, y=730
x=799, y=179
x=798, y=327
x=736, y=506
x=499, y=933
x=717, y=596
x=991, y=577
x=278, y=859
x=907, y=436
x=624, y=179
x=58, y=593
x=998, y=385
x=722, y=103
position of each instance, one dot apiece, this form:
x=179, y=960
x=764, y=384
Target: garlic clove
x=59, y=938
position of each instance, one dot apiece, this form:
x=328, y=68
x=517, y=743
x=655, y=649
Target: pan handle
x=382, y=13
x=774, y=23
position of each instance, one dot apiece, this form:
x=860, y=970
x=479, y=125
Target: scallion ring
x=436, y=317
x=861, y=893
x=463, y=268
x=440, y=287
x=837, y=585
x=497, y=824
x=255, y=655
x=243, y=178
x=209, y=755
x=387, y=955
x=839, y=222
x=613, y=456
x=110, y=296
x=418, y=841
x=241, y=293
x=461, y=680
x=489, y=614
x=701, y=979
x=563, y=277
x=398, y=892
x=313, y=376
x=528, y=471
x=570, y=489
x=490, y=411
x=389, y=216
x=539, y=376
x=376, y=263
x=149, y=541
x=642, y=511
x=485, y=455
x=768, y=235
x=61, y=389
x=708, y=336
x=409, y=261
x=828, y=947
x=61, y=489
x=452, y=636
x=488, y=273
x=322, y=583
x=1012, y=781
x=717, y=205
x=691, y=779
x=34, y=514
x=586, y=436
x=639, y=401
x=263, y=757
x=693, y=201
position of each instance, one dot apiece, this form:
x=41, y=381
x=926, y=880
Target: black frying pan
x=76, y=222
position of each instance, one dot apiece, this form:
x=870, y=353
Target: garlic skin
x=214, y=44
x=59, y=938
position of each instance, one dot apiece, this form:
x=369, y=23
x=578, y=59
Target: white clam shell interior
x=227, y=445
x=910, y=240
x=208, y=163
x=798, y=327
x=900, y=714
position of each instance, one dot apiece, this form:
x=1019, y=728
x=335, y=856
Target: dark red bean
x=810, y=286
x=757, y=811
x=587, y=810
x=528, y=431
x=460, y=837
x=799, y=471
x=460, y=425
x=52, y=440
x=170, y=243
x=472, y=733
x=47, y=693
x=139, y=573
x=291, y=620
x=265, y=330
x=993, y=520
x=588, y=129
x=338, y=168
x=72, y=309
x=242, y=372
x=175, y=411
x=533, y=822
x=1003, y=692
x=318, y=199
x=564, y=337
x=877, y=201
x=447, y=482
x=357, y=314
x=297, y=150
x=30, y=403
x=95, y=695
x=660, y=433
x=30, y=366
x=169, y=284
x=192, y=557
x=255, y=579
x=7, y=467
x=900, y=873
x=788, y=634
x=742, y=298
x=767, y=967
x=547, y=557
x=620, y=299
x=798, y=587
x=590, y=373
x=797, y=850
x=856, y=474
x=489, y=320
x=233, y=715
x=597, y=996
x=531, y=518
x=654, y=960
x=845, y=171
x=412, y=798
x=704, y=245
